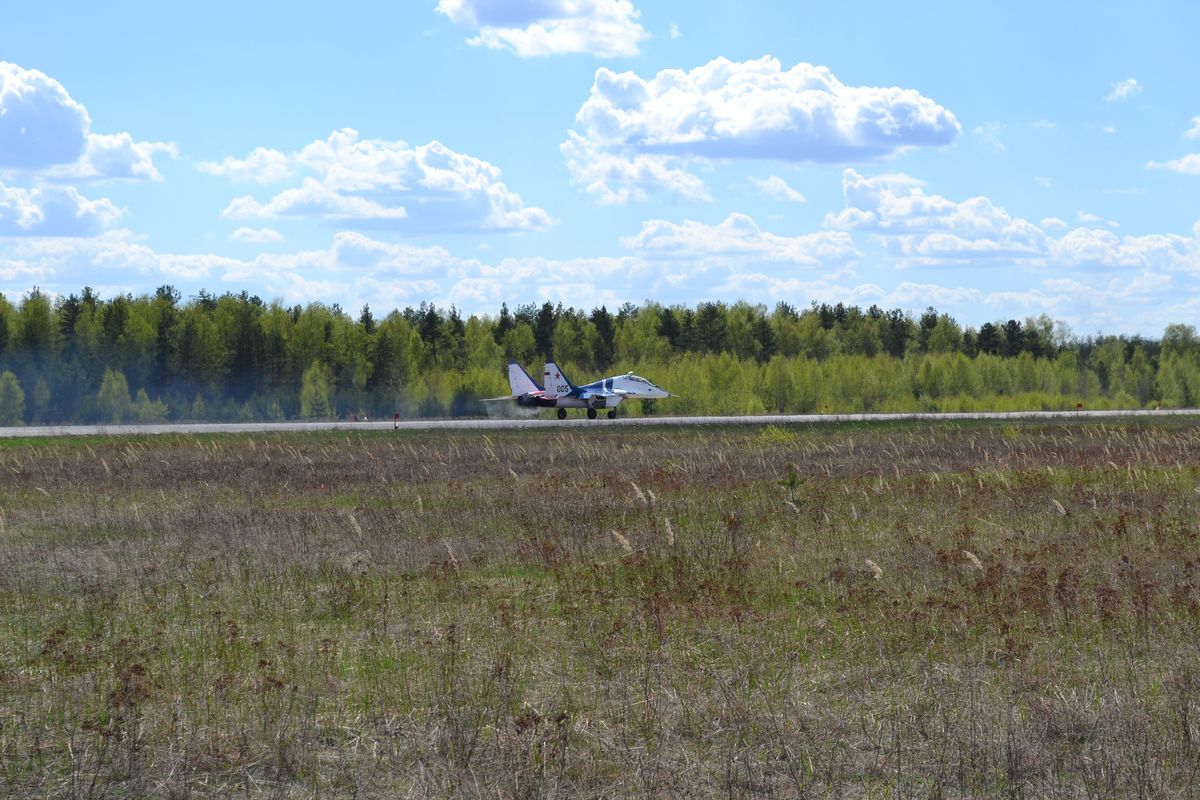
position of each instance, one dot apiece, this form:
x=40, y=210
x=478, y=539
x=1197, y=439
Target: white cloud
x=778, y=188
x=617, y=178
x=374, y=183
x=53, y=211
x=339, y=272
x=528, y=28
x=1095, y=247
x=1088, y=219
x=43, y=130
x=1188, y=165
x=1194, y=131
x=638, y=134
x=256, y=235
x=1123, y=90
x=313, y=198
x=73, y=261
x=990, y=132
x=263, y=165
x=674, y=32
x=769, y=289
x=1043, y=181
x=587, y=282
x=924, y=228
x=923, y=295
x=761, y=288
x=738, y=240
x=1112, y=303
x=118, y=156
x=40, y=124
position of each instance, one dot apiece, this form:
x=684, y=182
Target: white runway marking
x=572, y=422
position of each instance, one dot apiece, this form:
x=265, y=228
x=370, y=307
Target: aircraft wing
x=590, y=394
x=538, y=393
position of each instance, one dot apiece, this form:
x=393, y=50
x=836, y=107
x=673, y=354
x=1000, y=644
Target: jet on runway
x=558, y=392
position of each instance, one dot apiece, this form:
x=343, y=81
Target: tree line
x=155, y=357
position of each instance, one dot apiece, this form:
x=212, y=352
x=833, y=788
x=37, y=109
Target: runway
x=572, y=423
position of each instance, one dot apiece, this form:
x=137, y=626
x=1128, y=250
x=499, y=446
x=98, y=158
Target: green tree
x=113, y=398
x=41, y=400
x=147, y=411
x=314, y=392
x=12, y=400
x=519, y=343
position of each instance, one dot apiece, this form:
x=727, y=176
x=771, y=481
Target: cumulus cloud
x=778, y=188
x=53, y=211
x=256, y=235
x=739, y=240
x=638, y=133
x=586, y=282
x=1096, y=247
x=617, y=178
x=918, y=295
x=769, y=289
x=44, y=131
x=313, y=198
x=1111, y=303
x=1188, y=165
x=40, y=124
x=1194, y=131
x=529, y=28
x=1123, y=90
x=350, y=269
x=374, y=183
x=78, y=260
x=926, y=229
x=929, y=228
x=263, y=165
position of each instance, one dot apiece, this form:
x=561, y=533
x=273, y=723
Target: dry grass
x=918, y=612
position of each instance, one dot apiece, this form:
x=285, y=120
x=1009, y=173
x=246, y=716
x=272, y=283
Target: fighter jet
x=558, y=392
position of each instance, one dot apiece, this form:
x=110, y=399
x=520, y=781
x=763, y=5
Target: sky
x=992, y=160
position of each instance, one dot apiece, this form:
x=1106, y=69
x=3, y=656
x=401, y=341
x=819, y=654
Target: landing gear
x=591, y=413
x=562, y=413
x=612, y=414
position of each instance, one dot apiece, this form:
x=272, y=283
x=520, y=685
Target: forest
x=157, y=357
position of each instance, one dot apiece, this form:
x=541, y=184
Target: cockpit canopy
x=639, y=379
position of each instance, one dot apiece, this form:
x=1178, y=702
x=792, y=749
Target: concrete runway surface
x=574, y=421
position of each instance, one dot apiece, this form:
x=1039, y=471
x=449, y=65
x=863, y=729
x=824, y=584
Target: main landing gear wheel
x=591, y=413
x=612, y=414
x=562, y=413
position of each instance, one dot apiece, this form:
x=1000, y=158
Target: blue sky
x=991, y=160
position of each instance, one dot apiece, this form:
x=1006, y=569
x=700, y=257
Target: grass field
x=891, y=611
